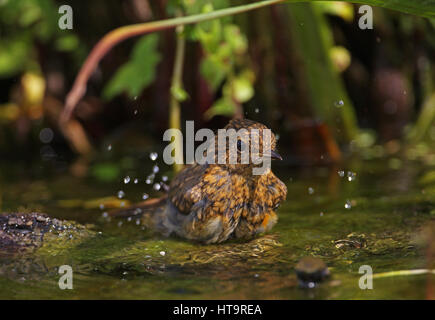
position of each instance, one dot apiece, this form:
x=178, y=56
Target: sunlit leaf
x=343, y=10
x=223, y=107
x=340, y=57
x=179, y=93
x=242, y=90
x=235, y=39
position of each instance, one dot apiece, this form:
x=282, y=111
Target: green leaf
x=313, y=41
x=139, y=72
x=341, y=9
x=236, y=40
x=14, y=55
x=224, y=107
x=214, y=71
x=242, y=89
x=424, y=8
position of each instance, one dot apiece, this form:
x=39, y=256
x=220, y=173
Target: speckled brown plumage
x=214, y=202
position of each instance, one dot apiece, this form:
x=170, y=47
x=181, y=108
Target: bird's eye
x=240, y=145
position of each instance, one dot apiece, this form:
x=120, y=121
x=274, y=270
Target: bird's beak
x=275, y=155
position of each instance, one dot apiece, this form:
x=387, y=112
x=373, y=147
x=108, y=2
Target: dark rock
x=311, y=271
x=22, y=230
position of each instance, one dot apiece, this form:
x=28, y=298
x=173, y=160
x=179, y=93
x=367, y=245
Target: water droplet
x=105, y=214
x=138, y=222
x=277, y=136
x=119, y=223
x=339, y=103
x=257, y=110
x=153, y=156
x=109, y=147
x=162, y=253
x=348, y=204
x=164, y=178
x=136, y=181
x=351, y=176
x=150, y=179
x=129, y=219
x=156, y=169
x=310, y=190
x=322, y=214
x=127, y=179
x=122, y=204
x=101, y=206
x=121, y=194
x=341, y=173
x=157, y=186
x=145, y=196
x=135, y=112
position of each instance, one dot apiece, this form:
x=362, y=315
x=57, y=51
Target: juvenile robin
x=214, y=202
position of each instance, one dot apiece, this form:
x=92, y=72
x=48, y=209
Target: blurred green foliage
x=225, y=63
x=138, y=72
x=24, y=23
x=327, y=94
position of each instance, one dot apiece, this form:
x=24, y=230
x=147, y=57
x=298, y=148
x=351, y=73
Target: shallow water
x=377, y=219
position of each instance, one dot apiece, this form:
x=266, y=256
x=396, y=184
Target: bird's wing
x=186, y=188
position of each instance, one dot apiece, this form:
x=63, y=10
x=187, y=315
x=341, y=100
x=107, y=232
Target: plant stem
x=403, y=273
x=176, y=85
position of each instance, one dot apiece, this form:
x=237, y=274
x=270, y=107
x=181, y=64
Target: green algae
x=384, y=228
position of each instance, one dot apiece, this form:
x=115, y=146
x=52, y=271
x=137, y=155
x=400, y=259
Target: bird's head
x=248, y=145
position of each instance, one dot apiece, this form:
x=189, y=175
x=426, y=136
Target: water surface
x=360, y=213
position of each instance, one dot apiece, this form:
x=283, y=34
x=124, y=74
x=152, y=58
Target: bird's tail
x=148, y=206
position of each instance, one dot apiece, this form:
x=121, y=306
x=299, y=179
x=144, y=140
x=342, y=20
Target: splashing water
x=153, y=156
x=339, y=103
x=150, y=179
